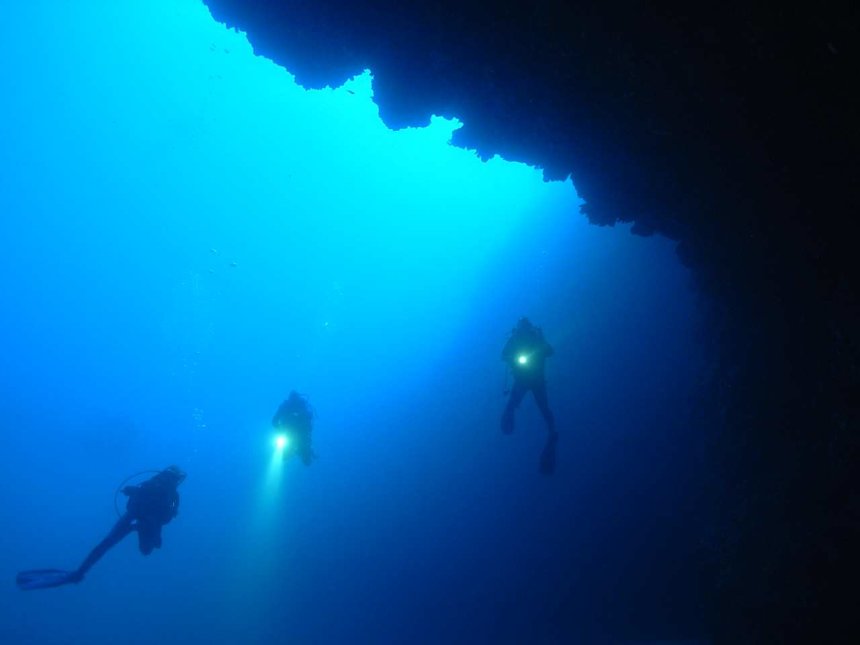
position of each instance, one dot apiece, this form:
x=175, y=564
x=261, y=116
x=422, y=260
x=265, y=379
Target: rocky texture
x=732, y=129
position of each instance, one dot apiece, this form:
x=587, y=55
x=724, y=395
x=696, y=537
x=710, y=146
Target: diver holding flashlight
x=525, y=354
x=294, y=420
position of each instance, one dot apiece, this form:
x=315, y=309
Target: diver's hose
x=124, y=482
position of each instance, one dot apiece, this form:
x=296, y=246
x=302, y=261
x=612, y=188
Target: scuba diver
x=295, y=419
x=151, y=505
x=525, y=354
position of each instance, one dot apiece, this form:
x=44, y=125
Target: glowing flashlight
x=281, y=441
x=522, y=359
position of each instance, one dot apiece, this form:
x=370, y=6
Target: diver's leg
x=148, y=537
x=518, y=391
x=306, y=454
x=547, y=457
x=539, y=392
x=121, y=529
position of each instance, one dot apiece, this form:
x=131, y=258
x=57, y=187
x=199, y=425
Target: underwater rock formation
x=732, y=129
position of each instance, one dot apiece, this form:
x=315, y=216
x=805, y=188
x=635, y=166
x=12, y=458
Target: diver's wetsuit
x=295, y=417
x=527, y=341
x=150, y=506
x=525, y=353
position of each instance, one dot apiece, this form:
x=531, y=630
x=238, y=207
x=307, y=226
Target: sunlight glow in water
x=183, y=164
x=186, y=234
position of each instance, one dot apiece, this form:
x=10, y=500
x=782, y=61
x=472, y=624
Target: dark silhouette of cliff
x=732, y=128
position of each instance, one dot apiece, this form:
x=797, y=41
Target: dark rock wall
x=732, y=128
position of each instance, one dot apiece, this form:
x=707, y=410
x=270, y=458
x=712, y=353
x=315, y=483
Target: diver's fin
x=43, y=578
x=547, y=457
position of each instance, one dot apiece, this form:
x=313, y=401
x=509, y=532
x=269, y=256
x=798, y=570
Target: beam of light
x=270, y=488
x=275, y=470
x=263, y=526
x=263, y=533
x=522, y=359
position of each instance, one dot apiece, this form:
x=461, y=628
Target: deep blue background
x=186, y=235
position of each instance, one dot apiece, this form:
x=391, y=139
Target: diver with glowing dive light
x=294, y=422
x=525, y=354
x=151, y=504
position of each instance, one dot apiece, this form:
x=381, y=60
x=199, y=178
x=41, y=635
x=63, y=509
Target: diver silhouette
x=295, y=418
x=151, y=505
x=525, y=354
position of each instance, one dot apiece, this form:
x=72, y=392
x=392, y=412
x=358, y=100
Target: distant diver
x=525, y=354
x=151, y=505
x=295, y=420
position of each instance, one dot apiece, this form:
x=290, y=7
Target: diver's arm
x=508, y=351
x=546, y=348
x=281, y=415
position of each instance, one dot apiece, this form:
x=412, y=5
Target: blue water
x=186, y=235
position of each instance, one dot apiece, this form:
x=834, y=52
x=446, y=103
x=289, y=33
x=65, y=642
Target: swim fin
x=547, y=458
x=44, y=578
